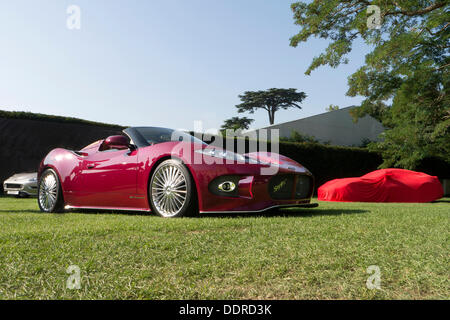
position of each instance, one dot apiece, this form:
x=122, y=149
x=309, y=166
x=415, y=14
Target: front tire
x=50, y=197
x=171, y=190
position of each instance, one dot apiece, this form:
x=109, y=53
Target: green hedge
x=329, y=162
x=45, y=117
x=332, y=162
x=324, y=161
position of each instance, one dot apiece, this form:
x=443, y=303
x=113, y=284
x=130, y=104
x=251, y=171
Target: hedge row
x=325, y=162
x=333, y=162
x=22, y=115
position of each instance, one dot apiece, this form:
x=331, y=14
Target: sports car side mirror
x=115, y=142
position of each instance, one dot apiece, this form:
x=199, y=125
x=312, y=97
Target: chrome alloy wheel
x=169, y=190
x=48, y=192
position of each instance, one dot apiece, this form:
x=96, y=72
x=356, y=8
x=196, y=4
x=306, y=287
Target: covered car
x=385, y=185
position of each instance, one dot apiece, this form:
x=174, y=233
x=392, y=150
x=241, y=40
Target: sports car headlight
x=227, y=155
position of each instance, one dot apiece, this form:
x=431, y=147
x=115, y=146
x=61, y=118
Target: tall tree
x=236, y=123
x=270, y=100
x=405, y=78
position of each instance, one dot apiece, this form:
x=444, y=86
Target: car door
x=109, y=179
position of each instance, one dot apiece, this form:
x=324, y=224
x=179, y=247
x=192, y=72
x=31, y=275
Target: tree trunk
x=271, y=116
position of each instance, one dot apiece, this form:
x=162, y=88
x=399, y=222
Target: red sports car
x=170, y=173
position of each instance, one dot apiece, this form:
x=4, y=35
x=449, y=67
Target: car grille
x=303, y=187
x=290, y=186
x=13, y=186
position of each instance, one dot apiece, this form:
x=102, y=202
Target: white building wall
x=336, y=127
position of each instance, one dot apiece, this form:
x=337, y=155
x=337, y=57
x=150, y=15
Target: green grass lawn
x=320, y=253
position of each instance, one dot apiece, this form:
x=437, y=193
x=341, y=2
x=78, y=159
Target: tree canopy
x=405, y=78
x=270, y=100
x=332, y=107
x=236, y=123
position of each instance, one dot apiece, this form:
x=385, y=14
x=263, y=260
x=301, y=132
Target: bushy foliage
x=405, y=78
x=236, y=124
x=298, y=137
x=332, y=107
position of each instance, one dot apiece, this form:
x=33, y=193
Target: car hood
x=279, y=160
x=23, y=177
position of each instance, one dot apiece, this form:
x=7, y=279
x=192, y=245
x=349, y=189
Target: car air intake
x=303, y=188
x=290, y=186
x=13, y=186
x=281, y=186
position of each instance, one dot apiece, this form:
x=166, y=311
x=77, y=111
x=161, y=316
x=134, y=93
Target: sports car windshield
x=153, y=135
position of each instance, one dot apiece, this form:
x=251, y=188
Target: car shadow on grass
x=80, y=211
x=19, y=211
x=301, y=213
x=441, y=201
x=119, y=212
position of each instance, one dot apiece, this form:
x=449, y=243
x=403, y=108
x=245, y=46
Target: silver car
x=21, y=185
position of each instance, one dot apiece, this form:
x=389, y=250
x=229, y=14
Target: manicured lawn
x=319, y=253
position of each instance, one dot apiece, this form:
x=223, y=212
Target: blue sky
x=160, y=63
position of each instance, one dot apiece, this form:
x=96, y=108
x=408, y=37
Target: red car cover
x=386, y=185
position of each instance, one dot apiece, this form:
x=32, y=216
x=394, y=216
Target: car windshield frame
x=148, y=136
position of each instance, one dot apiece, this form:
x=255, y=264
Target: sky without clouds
x=159, y=63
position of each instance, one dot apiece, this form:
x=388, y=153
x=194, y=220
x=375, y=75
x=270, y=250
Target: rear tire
x=50, y=196
x=171, y=190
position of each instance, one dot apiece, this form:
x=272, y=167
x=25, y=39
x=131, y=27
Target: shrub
x=298, y=137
